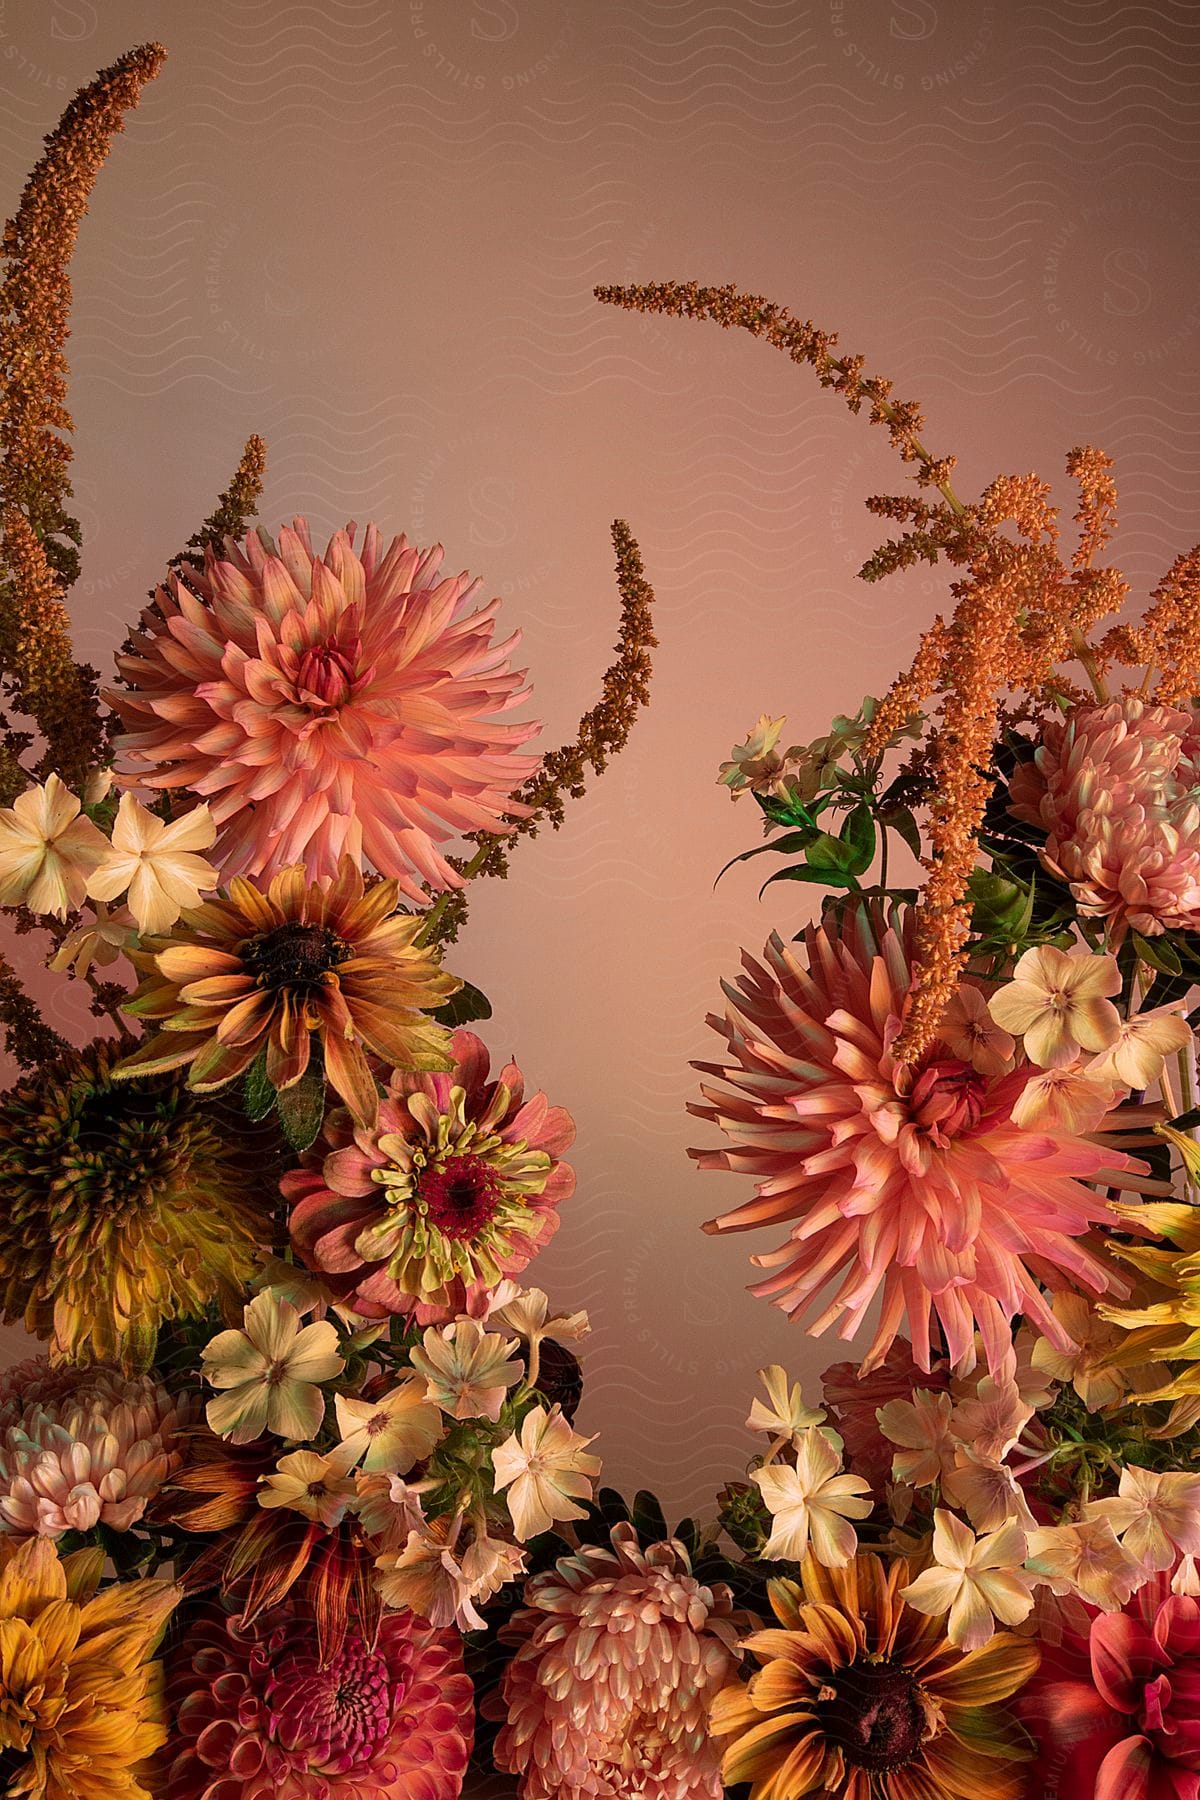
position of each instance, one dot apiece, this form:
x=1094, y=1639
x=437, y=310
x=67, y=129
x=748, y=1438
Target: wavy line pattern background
x=369, y=229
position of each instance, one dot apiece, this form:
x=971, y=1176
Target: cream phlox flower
x=1058, y=1001
x=992, y=1419
x=977, y=1581
x=1142, y=1045
x=527, y=1312
x=271, y=1373
x=466, y=1369
x=97, y=940
x=1156, y=1516
x=785, y=1415
x=921, y=1429
x=1086, y=1560
x=428, y=1577
x=812, y=1503
x=392, y=1433
x=1085, y=1365
x=969, y=1031
x=545, y=1468
x=754, y=763
x=319, y=1488
x=47, y=850
x=157, y=863
x=987, y=1491
x=490, y=1564
x=1072, y=1099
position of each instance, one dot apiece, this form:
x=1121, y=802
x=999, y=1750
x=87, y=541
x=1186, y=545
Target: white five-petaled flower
x=47, y=850
x=545, y=1468
x=1059, y=1002
x=157, y=863
x=977, y=1581
x=319, y=1488
x=271, y=1373
x=812, y=1503
x=1156, y=1516
x=392, y=1433
x=466, y=1369
x=785, y=1415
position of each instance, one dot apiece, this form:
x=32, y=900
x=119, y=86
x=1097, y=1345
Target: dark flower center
x=872, y=1712
x=294, y=955
x=460, y=1195
x=339, y=1713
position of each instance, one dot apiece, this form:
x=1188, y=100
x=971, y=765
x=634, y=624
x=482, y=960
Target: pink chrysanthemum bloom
x=1114, y=786
x=257, y=1717
x=619, y=1656
x=456, y=1186
x=326, y=706
x=80, y=1448
x=908, y=1183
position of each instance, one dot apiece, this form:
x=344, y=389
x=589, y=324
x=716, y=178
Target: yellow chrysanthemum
x=1166, y=1329
x=80, y=1698
x=125, y=1204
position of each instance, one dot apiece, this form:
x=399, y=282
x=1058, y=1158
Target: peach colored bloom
x=920, y=1427
x=1142, y=1045
x=427, y=1576
x=986, y=1490
x=755, y=765
x=811, y=1504
x=1072, y=1099
x=99, y=940
x=906, y=1190
x=466, y=1369
x=319, y=1488
x=785, y=1414
x=328, y=706
x=545, y=1468
x=388, y=1435
x=1058, y=1001
x=47, y=850
x=527, y=1312
x=271, y=1373
x=992, y=1419
x=1156, y=1516
x=1085, y=1362
x=156, y=862
x=1114, y=787
x=976, y=1580
x=1084, y=1559
x=968, y=1030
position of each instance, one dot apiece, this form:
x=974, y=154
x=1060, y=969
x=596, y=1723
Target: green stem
x=442, y=902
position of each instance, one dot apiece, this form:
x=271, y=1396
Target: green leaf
x=1186, y=1121
x=832, y=855
x=858, y=833
x=783, y=846
x=826, y=878
x=302, y=1108
x=468, y=1004
x=259, y=1093
x=1160, y=955
x=900, y=819
x=649, y=1520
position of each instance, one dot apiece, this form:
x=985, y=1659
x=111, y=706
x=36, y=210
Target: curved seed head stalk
x=39, y=544
x=603, y=731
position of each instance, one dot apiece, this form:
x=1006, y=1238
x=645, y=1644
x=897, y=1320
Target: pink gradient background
x=369, y=230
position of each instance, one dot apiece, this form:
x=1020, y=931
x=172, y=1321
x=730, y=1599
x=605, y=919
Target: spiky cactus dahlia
x=905, y=1184
x=1115, y=786
x=327, y=705
x=81, y=1448
x=258, y=1716
x=619, y=1655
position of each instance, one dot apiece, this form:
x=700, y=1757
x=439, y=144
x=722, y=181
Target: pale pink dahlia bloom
x=80, y=1448
x=255, y=1715
x=455, y=1187
x=907, y=1184
x=327, y=705
x=1115, y=786
x=619, y=1655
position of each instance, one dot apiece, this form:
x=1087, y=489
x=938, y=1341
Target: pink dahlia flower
x=619, y=1656
x=1114, y=786
x=325, y=706
x=456, y=1186
x=1117, y=1712
x=256, y=1716
x=80, y=1448
x=909, y=1184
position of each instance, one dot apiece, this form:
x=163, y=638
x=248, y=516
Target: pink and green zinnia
x=454, y=1188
